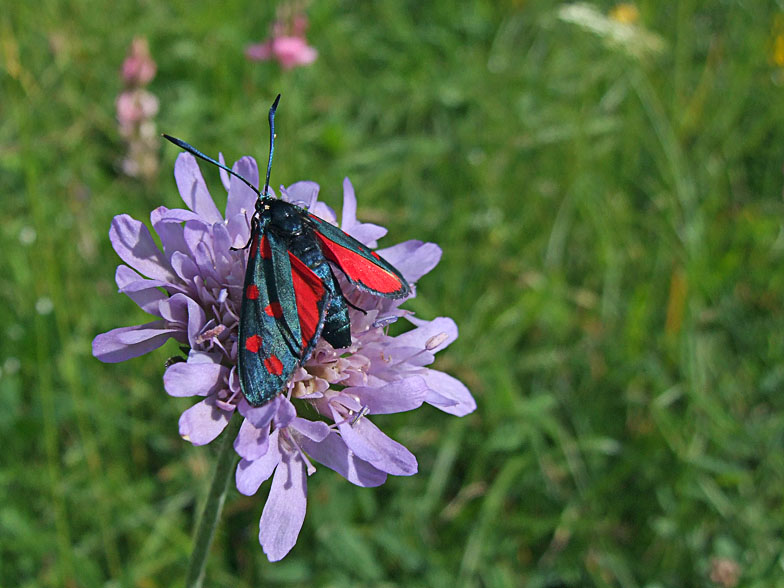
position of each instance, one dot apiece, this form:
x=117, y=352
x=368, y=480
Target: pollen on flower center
x=340, y=369
x=308, y=388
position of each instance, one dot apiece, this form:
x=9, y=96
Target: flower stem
x=213, y=505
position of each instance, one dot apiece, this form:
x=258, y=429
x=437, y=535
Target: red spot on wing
x=308, y=291
x=359, y=268
x=274, y=309
x=273, y=365
x=253, y=244
x=264, y=248
x=252, y=292
x=253, y=343
x=374, y=254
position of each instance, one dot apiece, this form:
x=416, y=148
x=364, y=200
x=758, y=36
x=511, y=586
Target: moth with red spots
x=291, y=296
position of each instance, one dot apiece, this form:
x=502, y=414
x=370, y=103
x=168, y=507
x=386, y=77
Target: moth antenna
x=193, y=151
x=273, y=108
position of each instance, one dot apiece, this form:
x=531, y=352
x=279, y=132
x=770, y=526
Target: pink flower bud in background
x=287, y=45
x=299, y=24
x=138, y=69
x=136, y=110
x=288, y=51
x=134, y=106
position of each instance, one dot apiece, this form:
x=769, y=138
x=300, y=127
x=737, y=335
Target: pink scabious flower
x=194, y=287
x=287, y=45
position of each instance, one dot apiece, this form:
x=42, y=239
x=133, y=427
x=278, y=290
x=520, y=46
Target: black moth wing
x=283, y=311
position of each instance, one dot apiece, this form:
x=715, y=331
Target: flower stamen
x=384, y=321
x=435, y=341
x=211, y=335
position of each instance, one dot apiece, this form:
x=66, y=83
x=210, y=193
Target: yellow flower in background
x=625, y=13
x=777, y=50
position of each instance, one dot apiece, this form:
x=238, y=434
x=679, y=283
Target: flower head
x=287, y=44
x=619, y=29
x=625, y=12
x=136, y=110
x=288, y=51
x=194, y=287
x=134, y=107
x=138, y=69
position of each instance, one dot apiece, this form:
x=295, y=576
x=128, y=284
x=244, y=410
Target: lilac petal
x=203, y=255
x=234, y=379
x=412, y=258
x=335, y=454
x=129, y=342
x=440, y=401
x=196, y=320
x=369, y=443
x=193, y=190
x=366, y=233
x=183, y=310
x=285, y=414
x=315, y=430
x=169, y=226
x=412, y=355
x=195, y=378
x=224, y=260
x=398, y=396
x=251, y=474
x=284, y=512
x=324, y=212
x=460, y=402
x=238, y=226
x=195, y=356
x=251, y=443
x=184, y=267
x=199, y=240
x=178, y=216
x=242, y=199
x=260, y=416
x=203, y=421
x=144, y=292
x=349, y=218
x=432, y=335
x=170, y=231
x=224, y=175
x=132, y=241
x=305, y=193
x=349, y=401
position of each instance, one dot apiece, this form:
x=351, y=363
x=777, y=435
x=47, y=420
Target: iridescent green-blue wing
x=283, y=309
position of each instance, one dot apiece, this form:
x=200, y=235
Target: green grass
x=613, y=235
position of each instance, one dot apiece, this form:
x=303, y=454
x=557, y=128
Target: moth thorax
x=285, y=217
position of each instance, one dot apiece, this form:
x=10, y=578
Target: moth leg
x=253, y=225
x=362, y=310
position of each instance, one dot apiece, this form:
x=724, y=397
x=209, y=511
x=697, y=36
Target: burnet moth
x=291, y=296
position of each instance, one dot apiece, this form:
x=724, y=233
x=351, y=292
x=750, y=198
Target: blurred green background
x=608, y=199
